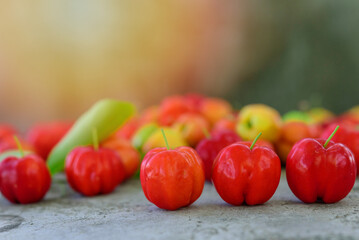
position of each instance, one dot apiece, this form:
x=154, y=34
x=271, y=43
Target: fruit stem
x=95, y=139
x=255, y=140
x=206, y=133
x=165, y=138
x=330, y=137
x=21, y=150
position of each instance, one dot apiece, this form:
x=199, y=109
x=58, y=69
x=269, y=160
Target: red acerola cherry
x=94, y=171
x=243, y=174
x=319, y=170
x=24, y=180
x=172, y=179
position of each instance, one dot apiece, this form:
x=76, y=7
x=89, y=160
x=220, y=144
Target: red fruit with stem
x=318, y=169
x=243, y=174
x=172, y=179
x=93, y=170
x=25, y=179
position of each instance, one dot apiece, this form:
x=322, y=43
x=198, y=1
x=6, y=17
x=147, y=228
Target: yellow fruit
x=256, y=118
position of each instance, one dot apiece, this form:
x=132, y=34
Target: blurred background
x=58, y=57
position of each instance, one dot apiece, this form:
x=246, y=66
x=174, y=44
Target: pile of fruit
x=179, y=144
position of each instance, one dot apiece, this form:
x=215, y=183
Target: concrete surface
x=126, y=214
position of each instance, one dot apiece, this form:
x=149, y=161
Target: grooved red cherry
x=318, y=173
x=172, y=179
x=241, y=175
x=24, y=180
x=93, y=172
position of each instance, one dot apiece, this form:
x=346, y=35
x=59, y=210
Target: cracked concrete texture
x=126, y=214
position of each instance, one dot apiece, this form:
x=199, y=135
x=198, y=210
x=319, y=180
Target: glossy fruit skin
x=92, y=172
x=129, y=156
x=318, y=173
x=241, y=175
x=208, y=149
x=45, y=136
x=24, y=180
x=347, y=135
x=172, y=179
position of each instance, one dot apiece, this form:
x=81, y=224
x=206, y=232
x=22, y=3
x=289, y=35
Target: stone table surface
x=126, y=214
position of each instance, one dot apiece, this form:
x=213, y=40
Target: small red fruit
x=92, y=170
x=320, y=170
x=25, y=179
x=172, y=179
x=246, y=174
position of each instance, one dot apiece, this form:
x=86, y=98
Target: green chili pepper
x=106, y=116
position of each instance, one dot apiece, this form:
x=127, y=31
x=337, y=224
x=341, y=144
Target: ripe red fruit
x=45, y=136
x=172, y=179
x=319, y=170
x=92, y=172
x=243, y=174
x=209, y=148
x=24, y=180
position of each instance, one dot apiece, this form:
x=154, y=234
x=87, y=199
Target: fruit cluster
x=184, y=141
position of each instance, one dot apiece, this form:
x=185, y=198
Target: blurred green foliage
x=316, y=63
